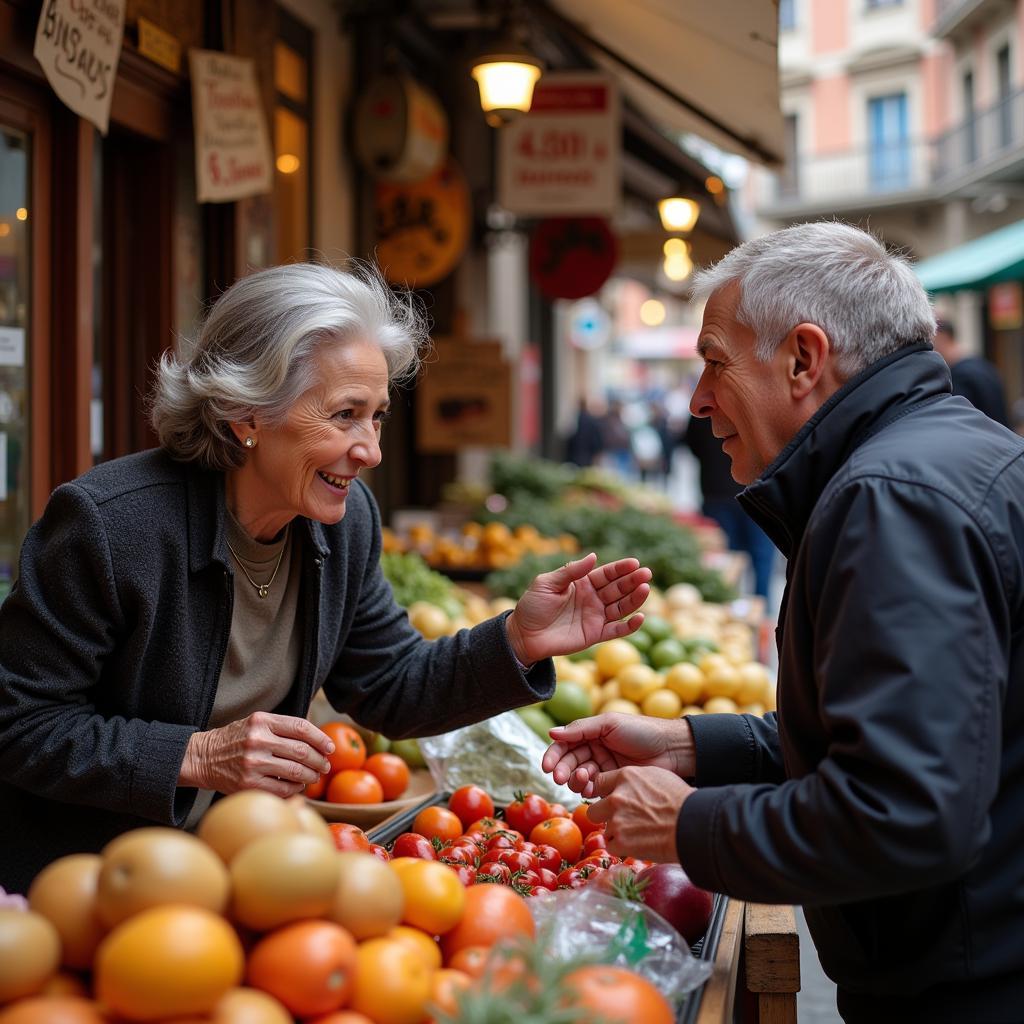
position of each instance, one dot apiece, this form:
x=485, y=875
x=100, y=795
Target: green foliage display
x=413, y=580
x=553, y=499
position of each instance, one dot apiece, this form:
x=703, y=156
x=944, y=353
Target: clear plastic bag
x=502, y=754
x=574, y=923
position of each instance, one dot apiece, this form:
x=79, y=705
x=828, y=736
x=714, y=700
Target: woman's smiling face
x=305, y=465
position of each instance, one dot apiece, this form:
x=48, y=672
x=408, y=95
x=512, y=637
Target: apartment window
x=789, y=176
x=293, y=142
x=1005, y=87
x=787, y=14
x=888, y=142
x=970, y=126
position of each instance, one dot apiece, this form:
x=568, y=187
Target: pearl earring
x=250, y=442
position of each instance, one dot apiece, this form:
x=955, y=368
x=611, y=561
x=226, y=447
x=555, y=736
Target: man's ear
x=809, y=350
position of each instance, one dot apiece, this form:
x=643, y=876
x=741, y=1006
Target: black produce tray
x=705, y=949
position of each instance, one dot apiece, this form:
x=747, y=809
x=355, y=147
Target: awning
x=719, y=56
x=975, y=265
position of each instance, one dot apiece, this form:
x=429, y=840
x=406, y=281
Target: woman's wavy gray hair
x=865, y=298
x=255, y=352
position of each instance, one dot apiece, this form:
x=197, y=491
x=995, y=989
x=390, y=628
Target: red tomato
x=455, y=854
x=582, y=819
x=561, y=833
x=558, y=811
x=537, y=890
x=497, y=871
x=437, y=823
x=525, y=845
x=515, y=859
x=549, y=879
x=316, y=790
x=466, y=872
x=594, y=842
x=354, y=786
x=638, y=863
x=548, y=857
x=573, y=878
x=380, y=852
x=349, y=837
x=471, y=803
x=501, y=841
x=410, y=844
x=390, y=771
x=596, y=860
x=526, y=811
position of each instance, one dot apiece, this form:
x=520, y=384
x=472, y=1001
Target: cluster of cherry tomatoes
x=535, y=847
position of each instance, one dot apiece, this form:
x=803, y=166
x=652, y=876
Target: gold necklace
x=261, y=588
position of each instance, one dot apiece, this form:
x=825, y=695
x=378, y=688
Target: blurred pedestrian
x=974, y=377
x=718, y=501
x=617, y=440
x=586, y=442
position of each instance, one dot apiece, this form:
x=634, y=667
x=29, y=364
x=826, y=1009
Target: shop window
x=293, y=143
x=15, y=241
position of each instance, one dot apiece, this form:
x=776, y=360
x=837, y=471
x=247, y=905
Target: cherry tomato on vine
x=471, y=803
x=594, y=842
x=548, y=857
x=456, y=854
x=466, y=872
x=501, y=841
x=495, y=870
x=549, y=879
x=527, y=811
x=380, y=852
x=573, y=878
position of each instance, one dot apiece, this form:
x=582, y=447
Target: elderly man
x=887, y=796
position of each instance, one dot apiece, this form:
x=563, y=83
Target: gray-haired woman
x=177, y=609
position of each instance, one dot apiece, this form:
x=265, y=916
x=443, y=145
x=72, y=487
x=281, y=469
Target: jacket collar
x=207, y=521
x=782, y=499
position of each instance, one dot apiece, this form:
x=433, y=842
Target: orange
x=425, y=946
x=492, y=912
x=308, y=966
x=392, y=984
x=354, y=786
x=64, y=892
x=471, y=960
x=434, y=897
x=391, y=772
x=29, y=953
x=167, y=961
x=349, y=748
x=341, y=1017
x=618, y=996
x=53, y=1010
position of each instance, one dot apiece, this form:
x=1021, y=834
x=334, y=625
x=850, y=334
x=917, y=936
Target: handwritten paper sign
x=78, y=45
x=233, y=158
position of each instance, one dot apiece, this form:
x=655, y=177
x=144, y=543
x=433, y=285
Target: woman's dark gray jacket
x=112, y=641
x=889, y=800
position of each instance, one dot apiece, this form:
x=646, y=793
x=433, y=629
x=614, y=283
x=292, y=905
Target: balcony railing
x=984, y=142
x=981, y=140
x=876, y=170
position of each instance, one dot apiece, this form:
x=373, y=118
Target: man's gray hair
x=865, y=298
x=255, y=352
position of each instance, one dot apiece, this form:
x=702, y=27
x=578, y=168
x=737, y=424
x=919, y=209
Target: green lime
x=657, y=628
x=538, y=720
x=640, y=640
x=665, y=653
x=569, y=702
x=409, y=752
x=380, y=745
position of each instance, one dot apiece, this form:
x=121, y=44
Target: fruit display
x=688, y=657
x=259, y=919
x=476, y=547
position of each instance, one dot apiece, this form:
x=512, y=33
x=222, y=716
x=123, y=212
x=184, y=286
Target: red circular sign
x=571, y=257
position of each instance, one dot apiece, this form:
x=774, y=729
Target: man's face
x=748, y=401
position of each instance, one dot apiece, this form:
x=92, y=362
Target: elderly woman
x=177, y=609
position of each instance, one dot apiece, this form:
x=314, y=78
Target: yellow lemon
x=637, y=681
x=685, y=680
x=662, y=703
x=623, y=707
x=720, y=706
x=614, y=655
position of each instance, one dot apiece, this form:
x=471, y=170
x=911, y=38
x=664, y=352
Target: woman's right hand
x=589, y=746
x=276, y=753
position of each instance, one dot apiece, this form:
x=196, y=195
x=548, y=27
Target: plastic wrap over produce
x=584, y=923
x=502, y=754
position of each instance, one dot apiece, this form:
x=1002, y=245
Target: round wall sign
x=571, y=257
x=423, y=227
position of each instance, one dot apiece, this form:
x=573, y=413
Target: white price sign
x=562, y=158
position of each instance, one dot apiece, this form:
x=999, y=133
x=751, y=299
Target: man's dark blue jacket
x=887, y=797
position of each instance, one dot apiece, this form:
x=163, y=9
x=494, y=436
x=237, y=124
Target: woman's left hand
x=576, y=606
